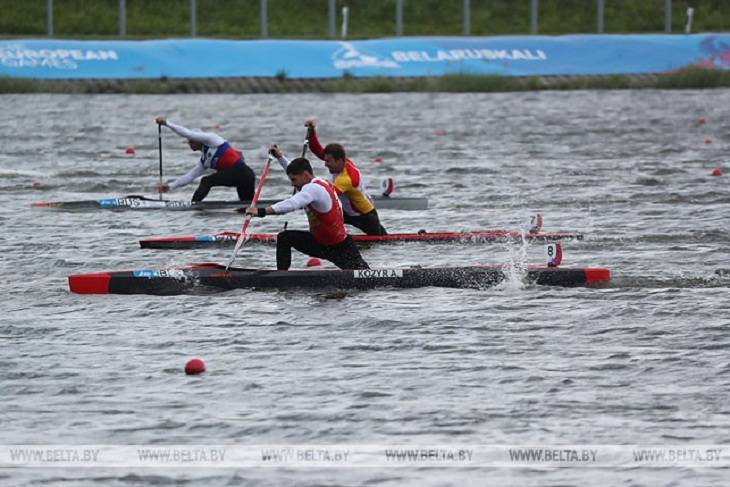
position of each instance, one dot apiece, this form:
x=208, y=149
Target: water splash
x=515, y=268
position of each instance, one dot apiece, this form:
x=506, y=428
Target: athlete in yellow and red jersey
x=349, y=183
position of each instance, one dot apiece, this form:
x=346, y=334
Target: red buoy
x=194, y=367
x=701, y=121
x=717, y=172
x=130, y=150
x=378, y=160
x=708, y=141
x=36, y=185
x=314, y=262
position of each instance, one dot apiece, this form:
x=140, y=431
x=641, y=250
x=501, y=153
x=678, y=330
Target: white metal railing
x=534, y=10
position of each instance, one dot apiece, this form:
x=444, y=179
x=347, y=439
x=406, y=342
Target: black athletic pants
x=368, y=223
x=240, y=175
x=344, y=255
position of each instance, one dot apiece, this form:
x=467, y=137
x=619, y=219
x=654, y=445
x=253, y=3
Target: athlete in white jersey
x=218, y=155
x=327, y=237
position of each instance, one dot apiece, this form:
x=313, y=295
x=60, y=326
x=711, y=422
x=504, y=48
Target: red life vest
x=327, y=228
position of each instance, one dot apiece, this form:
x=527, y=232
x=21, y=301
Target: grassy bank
x=368, y=18
x=460, y=83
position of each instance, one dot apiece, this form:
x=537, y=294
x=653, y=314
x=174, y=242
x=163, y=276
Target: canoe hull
x=198, y=278
x=228, y=239
x=142, y=203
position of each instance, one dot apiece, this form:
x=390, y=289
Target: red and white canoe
x=228, y=239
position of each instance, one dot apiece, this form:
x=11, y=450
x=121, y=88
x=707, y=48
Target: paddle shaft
x=305, y=146
x=254, y=200
x=304, y=152
x=159, y=146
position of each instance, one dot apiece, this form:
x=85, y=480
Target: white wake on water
x=515, y=267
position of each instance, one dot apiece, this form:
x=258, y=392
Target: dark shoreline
x=691, y=78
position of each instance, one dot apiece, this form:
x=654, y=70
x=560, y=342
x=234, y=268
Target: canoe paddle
x=304, y=152
x=306, y=144
x=159, y=145
x=247, y=220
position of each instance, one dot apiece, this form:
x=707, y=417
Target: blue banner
x=402, y=56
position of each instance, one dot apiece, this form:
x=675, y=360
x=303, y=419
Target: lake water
x=642, y=361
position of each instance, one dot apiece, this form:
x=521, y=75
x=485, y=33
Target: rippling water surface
x=643, y=361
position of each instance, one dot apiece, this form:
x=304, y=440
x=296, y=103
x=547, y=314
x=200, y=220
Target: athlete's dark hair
x=298, y=166
x=335, y=150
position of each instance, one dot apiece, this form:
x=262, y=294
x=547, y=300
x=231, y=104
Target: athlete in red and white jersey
x=327, y=237
x=349, y=183
x=217, y=154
